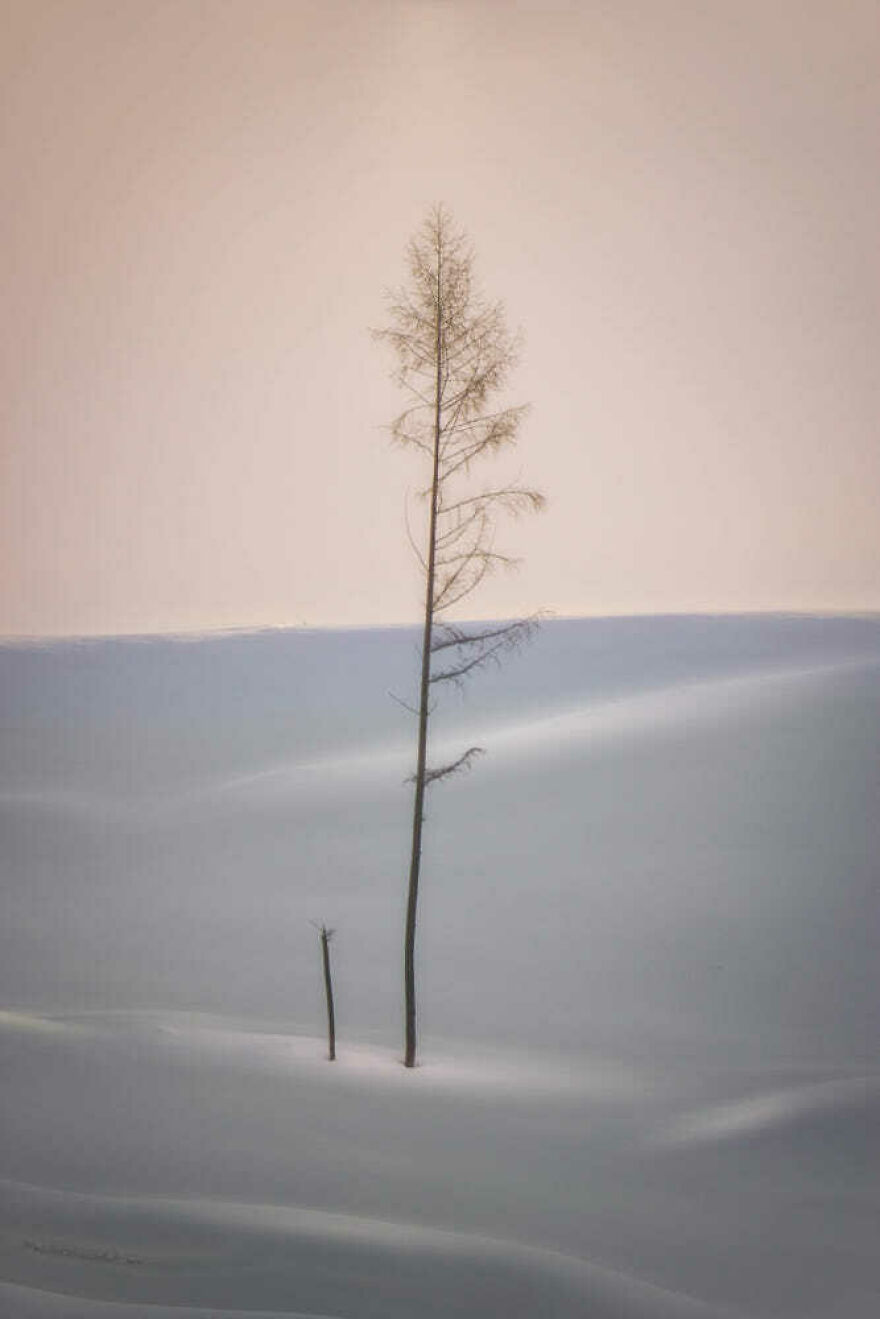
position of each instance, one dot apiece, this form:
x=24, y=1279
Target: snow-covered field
x=648, y=986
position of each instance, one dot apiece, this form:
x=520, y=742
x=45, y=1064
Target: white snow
x=647, y=980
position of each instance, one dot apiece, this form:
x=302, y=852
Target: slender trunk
x=409, y=974
x=328, y=989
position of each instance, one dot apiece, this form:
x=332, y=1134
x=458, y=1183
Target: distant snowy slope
x=672, y=837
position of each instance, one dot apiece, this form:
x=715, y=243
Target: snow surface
x=647, y=961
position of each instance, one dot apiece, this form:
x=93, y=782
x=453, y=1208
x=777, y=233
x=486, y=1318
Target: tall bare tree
x=325, y=935
x=453, y=354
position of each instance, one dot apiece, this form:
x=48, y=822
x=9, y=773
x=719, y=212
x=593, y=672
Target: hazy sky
x=678, y=202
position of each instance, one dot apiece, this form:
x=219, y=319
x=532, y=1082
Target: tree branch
x=489, y=645
x=463, y=763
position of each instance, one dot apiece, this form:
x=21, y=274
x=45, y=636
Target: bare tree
x=325, y=935
x=453, y=354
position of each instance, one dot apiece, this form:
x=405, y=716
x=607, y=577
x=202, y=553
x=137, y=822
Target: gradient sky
x=678, y=202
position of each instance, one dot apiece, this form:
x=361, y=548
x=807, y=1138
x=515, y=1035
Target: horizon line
x=194, y=635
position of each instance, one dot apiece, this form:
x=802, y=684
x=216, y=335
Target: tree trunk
x=328, y=989
x=409, y=975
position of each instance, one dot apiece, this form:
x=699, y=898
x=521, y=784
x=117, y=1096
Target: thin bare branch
x=413, y=546
x=477, y=650
x=460, y=585
x=454, y=635
x=456, y=674
x=463, y=763
x=406, y=706
x=513, y=498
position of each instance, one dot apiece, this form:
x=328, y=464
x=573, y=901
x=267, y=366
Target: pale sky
x=678, y=202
